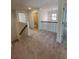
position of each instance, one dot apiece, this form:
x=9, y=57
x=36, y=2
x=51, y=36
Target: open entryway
x=35, y=19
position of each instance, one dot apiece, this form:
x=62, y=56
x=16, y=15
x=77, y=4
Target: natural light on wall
x=49, y=14
x=21, y=17
x=54, y=16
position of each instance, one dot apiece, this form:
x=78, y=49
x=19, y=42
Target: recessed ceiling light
x=29, y=8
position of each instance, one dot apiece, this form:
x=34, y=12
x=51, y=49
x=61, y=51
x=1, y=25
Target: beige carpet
x=38, y=45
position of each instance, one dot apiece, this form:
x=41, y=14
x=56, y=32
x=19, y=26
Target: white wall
x=45, y=15
x=48, y=26
x=60, y=18
x=30, y=19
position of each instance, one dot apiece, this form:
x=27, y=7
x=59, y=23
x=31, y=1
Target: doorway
x=35, y=18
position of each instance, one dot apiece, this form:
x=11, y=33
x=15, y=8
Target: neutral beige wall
x=17, y=26
x=13, y=26
x=20, y=25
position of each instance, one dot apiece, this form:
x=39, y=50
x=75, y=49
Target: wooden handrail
x=22, y=29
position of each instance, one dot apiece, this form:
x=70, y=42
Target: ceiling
x=34, y=3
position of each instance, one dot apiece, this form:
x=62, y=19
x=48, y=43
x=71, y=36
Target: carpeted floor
x=38, y=45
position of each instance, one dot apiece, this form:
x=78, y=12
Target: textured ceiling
x=34, y=3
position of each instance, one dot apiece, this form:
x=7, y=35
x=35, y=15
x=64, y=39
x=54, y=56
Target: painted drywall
x=45, y=16
x=17, y=26
x=60, y=18
x=20, y=24
x=48, y=26
x=30, y=19
x=13, y=26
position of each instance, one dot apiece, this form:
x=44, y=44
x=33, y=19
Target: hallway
x=38, y=45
